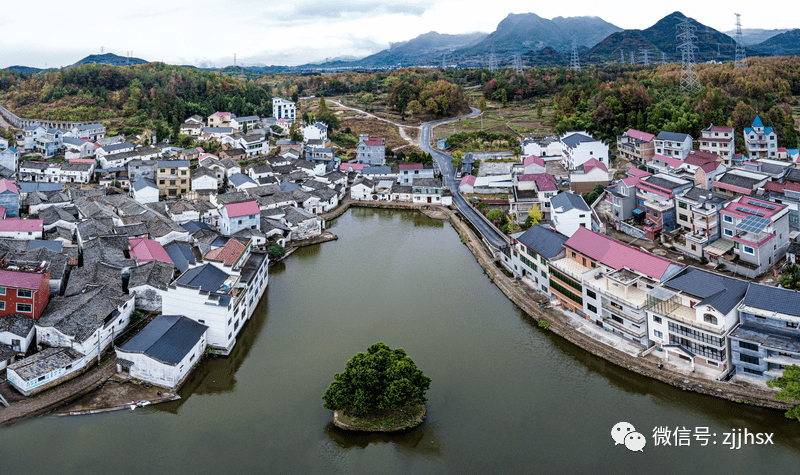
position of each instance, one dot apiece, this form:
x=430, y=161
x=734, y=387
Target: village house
x=173, y=178
x=9, y=158
x=24, y=291
x=635, y=146
x=531, y=251
x=655, y=203
x=767, y=339
x=91, y=132
x=411, y=171
x=569, y=213
x=691, y=316
x=547, y=147
x=430, y=190
x=530, y=190
x=371, y=150
x=246, y=123
x=105, y=154
x=21, y=228
x=578, y=148
x=219, y=119
x=16, y=333
x=736, y=182
x=9, y=198
x=77, y=148
x=164, y=352
x=283, y=109
x=315, y=131
x=673, y=144
x=144, y=191
x=45, y=369
x=697, y=216
x=718, y=139
x=234, y=217
x=760, y=141
x=532, y=165
x=585, y=177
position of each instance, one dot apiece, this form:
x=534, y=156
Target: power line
x=688, y=48
x=741, y=55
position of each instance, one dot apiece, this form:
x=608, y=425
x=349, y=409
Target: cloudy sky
x=265, y=32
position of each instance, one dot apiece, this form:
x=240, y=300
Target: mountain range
x=536, y=41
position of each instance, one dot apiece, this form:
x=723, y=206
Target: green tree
x=458, y=156
x=495, y=216
x=790, y=389
x=539, y=109
x=294, y=132
x=276, y=251
x=482, y=103
x=380, y=379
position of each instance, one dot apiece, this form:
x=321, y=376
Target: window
x=682, y=205
x=748, y=346
x=592, y=308
x=655, y=214
x=683, y=217
x=728, y=232
x=708, y=318
x=748, y=249
x=24, y=308
x=201, y=321
x=656, y=319
x=727, y=219
x=2, y=305
x=748, y=359
x=658, y=334
x=752, y=371
x=791, y=324
x=640, y=201
x=591, y=294
x=2, y=290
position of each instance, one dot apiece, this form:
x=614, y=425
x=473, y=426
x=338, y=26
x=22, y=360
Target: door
x=429, y=199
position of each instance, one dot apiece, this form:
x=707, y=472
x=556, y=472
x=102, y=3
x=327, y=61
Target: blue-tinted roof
x=722, y=293
x=206, y=277
x=167, y=338
x=773, y=299
x=30, y=187
x=181, y=255
x=757, y=122
x=576, y=139
x=569, y=201
x=194, y=226
x=52, y=245
x=543, y=241
x=238, y=179
x=173, y=163
x=143, y=183
x=672, y=136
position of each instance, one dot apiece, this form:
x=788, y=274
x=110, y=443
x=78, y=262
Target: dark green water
x=506, y=396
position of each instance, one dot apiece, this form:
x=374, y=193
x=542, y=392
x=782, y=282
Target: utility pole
x=741, y=55
x=688, y=48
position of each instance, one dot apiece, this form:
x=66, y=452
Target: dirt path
x=400, y=128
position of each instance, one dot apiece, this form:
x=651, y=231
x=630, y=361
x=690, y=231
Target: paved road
x=443, y=162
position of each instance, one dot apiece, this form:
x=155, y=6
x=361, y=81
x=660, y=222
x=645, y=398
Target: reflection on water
x=421, y=439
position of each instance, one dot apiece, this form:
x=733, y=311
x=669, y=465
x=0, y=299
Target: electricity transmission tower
x=645, y=56
x=492, y=61
x=633, y=57
x=663, y=58
x=622, y=56
x=518, y=63
x=574, y=63
x=444, y=61
x=688, y=48
x=741, y=56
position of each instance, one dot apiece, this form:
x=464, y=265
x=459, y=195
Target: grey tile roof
x=116, y=146
x=181, y=254
x=109, y=250
x=28, y=187
x=427, y=182
x=672, y=136
x=173, y=164
x=296, y=215
x=568, y=201
x=167, y=339
x=132, y=230
x=156, y=274
x=722, y=293
x=739, y=180
x=376, y=171
x=543, y=241
x=143, y=183
x=773, y=299
x=194, y=226
x=92, y=228
x=95, y=273
x=16, y=324
x=80, y=315
x=233, y=197
x=54, y=246
x=239, y=179
x=576, y=139
x=53, y=214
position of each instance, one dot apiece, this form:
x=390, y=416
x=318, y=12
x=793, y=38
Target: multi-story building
x=530, y=190
x=283, y=109
x=697, y=215
x=718, y=139
x=636, y=146
x=25, y=291
x=569, y=212
x=767, y=339
x=9, y=198
x=623, y=194
x=691, y=316
x=760, y=141
x=234, y=217
x=9, y=157
x=371, y=150
x=219, y=119
x=89, y=131
x=585, y=177
x=172, y=177
x=673, y=144
x=530, y=253
x=760, y=232
x=655, y=201
x=578, y=148
x=411, y=171
x=736, y=182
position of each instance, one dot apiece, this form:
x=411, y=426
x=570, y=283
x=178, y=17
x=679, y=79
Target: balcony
x=631, y=331
x=782, y=360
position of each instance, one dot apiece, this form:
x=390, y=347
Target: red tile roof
x=747, y=203
x=146, y=250
x=774, y=186
x=671, y=162
x=698, y=156
x=373, y=142
x=21, y=225
x=242, y=209
x=8, y=185
x=469, y=180
x=709, y=166
x=643, y=136
x=720, y=128
x=544, y=181
x=411, y=166
x=354, y=166
x=593, y=163
x=227, y=254
x=617, y=255
x=633, y=171
x=20, y=280
x=531, y=160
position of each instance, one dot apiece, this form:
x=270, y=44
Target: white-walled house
x=21, y=228
x=144, y=191
x=234, y=217
x=164, y=352
x=673, y=145
x=45, y=369
x=578, y=148
x=315, y=131
x=569, y=212
x=16, y=331
x=362, y=189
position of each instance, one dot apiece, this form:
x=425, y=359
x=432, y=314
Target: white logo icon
x=625, y=434
x=635, y=442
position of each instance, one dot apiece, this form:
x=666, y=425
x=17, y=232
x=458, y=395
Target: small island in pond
x=381, y=390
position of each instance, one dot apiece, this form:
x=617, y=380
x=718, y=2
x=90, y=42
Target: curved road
x=443, y=162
